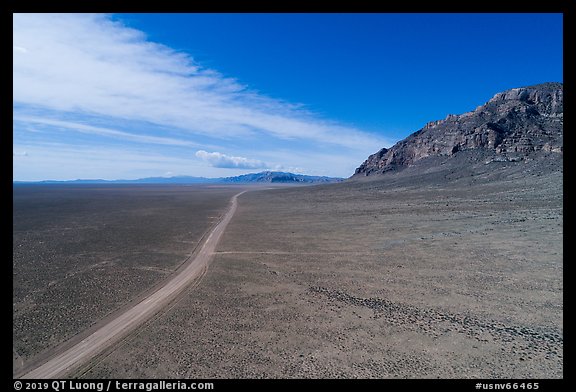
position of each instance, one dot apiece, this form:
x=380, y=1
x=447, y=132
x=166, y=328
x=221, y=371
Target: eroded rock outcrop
x=514, y=124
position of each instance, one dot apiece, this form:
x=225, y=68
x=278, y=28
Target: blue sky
x=137, y=95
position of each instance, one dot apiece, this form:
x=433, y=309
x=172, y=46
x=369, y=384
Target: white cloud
x=217, y=159
x=85, y=73
x=88, y=63
x=58, y=161
x=90, y=129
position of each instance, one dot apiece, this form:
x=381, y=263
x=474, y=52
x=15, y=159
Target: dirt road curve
x=61, y=364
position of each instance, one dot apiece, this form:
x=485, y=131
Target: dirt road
x=61, y=364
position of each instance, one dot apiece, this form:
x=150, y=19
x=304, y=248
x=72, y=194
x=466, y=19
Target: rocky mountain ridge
x=514, y=125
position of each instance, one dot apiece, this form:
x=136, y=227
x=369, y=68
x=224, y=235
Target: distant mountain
x=170, y=180
x=517, y=124
x=147, y=180
x=263, y=177
x=279, y=177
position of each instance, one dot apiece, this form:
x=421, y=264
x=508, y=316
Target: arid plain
x=82, y=253
x=446, y=273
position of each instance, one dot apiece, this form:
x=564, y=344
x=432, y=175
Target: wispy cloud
x=90, y=129
x=85, y=66
x=58, y=161
x=217, y=159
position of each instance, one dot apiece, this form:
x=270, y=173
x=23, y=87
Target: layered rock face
x=513, y=125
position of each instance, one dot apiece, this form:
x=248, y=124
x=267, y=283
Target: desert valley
x=440, y=257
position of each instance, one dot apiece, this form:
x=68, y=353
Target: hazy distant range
x=262, y=177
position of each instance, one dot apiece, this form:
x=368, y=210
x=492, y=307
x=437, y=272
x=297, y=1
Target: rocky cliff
x=513, y=125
